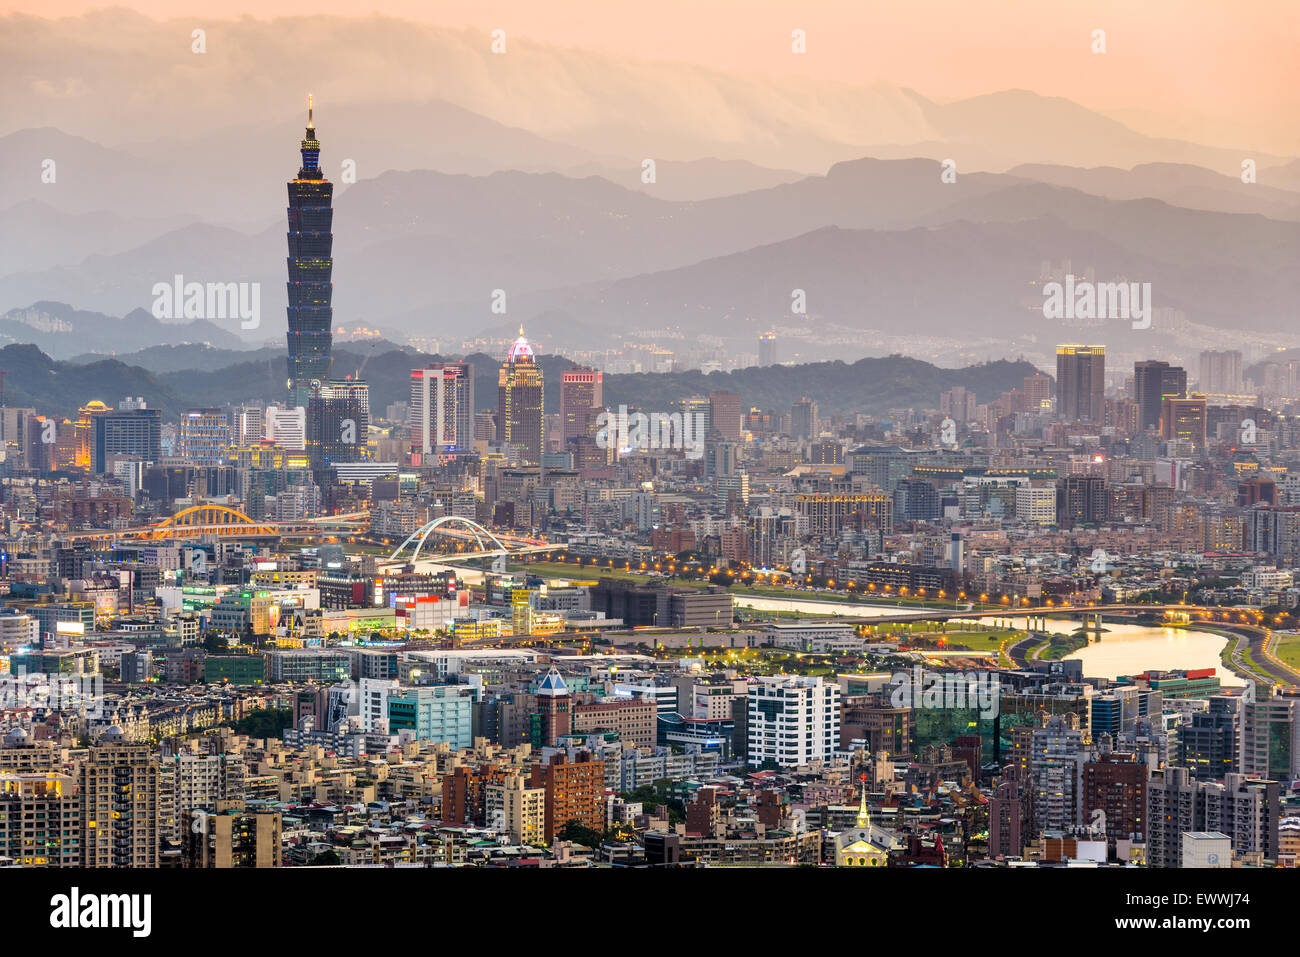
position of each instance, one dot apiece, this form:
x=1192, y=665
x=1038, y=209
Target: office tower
x=553, y=703
x=338, y=422
x=248, y=426
x=203, y=437
x=1270, y=737
x=724, y=413
x=1220, y=373
x=793, y=720
x=131, y=431
x=803, y=419
x=1153, y=383
x=83, y=431
x=310, y=289
x=1036, y=504
x=700, y=411
x=581, y=394
x=441, y=713
x=433, y=413
x=121, y=822
x=826, y=453
x=883, y=466
x=1208, y=743
x=767, y=349
x=1038, y=392
x=1183, y=420
x=520, y=400
x=1080, y=500
x=958, y=403
x=287, y=428
x=464, y=405
x=1081, y=383
x=17, y=429
x=915, y=500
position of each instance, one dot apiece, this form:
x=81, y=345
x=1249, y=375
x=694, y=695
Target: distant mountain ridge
x=33, y=379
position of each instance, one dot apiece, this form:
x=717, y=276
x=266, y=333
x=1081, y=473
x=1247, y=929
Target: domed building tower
x=520, y=401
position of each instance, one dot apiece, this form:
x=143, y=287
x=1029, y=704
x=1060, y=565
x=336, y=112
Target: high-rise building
x=120, y=807
x=767, y=349
x=1209, y=742
x=1220, y=373
x=40, y=819
x=574, y=789
x=1055, y=772
x=338, y=422
x=131, y=430
x=1183, y=420
x=203, y=437
x=433, y=413
x=1081, y=383
x=724, y=414
x=84, y=433
x=553, y=704
x=1270, y=737
x=1081, y=500
x=581, y=393
x=512, y=806
x=1153, y=383
x=793, y=720
x=520, y=400
x=1038, y=392
x=286, y=427
x=1009, y=821
x=1116, y=784
x=1245, y=809
x=803, y=419
x=232, y=837
x=311, y=240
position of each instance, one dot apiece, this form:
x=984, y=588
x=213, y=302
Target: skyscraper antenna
x=310, y=124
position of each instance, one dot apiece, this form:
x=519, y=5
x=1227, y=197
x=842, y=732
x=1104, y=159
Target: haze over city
x=588, y=436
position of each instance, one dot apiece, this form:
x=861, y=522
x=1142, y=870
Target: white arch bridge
x=487, y=544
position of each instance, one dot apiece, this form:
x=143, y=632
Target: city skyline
x=683, y=451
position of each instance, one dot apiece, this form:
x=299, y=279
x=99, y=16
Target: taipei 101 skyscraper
x=311, y=315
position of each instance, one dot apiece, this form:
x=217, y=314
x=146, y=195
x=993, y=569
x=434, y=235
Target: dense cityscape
x=469, y=631
x=795, y=499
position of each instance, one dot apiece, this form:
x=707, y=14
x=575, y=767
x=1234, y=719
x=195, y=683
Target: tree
x=264, y=722
x=579, y=833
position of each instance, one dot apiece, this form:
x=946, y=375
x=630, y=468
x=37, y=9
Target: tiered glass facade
x=310, y=289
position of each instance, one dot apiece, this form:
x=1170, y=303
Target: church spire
x=864, y=817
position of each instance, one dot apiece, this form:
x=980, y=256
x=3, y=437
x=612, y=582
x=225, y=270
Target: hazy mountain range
x=161, y=377
x=134, y=160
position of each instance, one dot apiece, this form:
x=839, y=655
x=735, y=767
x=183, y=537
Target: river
x=1123, y=649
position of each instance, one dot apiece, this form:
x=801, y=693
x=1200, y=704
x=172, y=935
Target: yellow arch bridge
x=222, y=521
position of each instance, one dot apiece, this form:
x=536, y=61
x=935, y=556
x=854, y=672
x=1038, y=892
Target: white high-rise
x=432, y=412
x=793, y=720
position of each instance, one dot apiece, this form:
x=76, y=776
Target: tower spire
x=310, y=124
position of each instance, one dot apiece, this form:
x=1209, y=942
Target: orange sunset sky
x=1212, y=71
